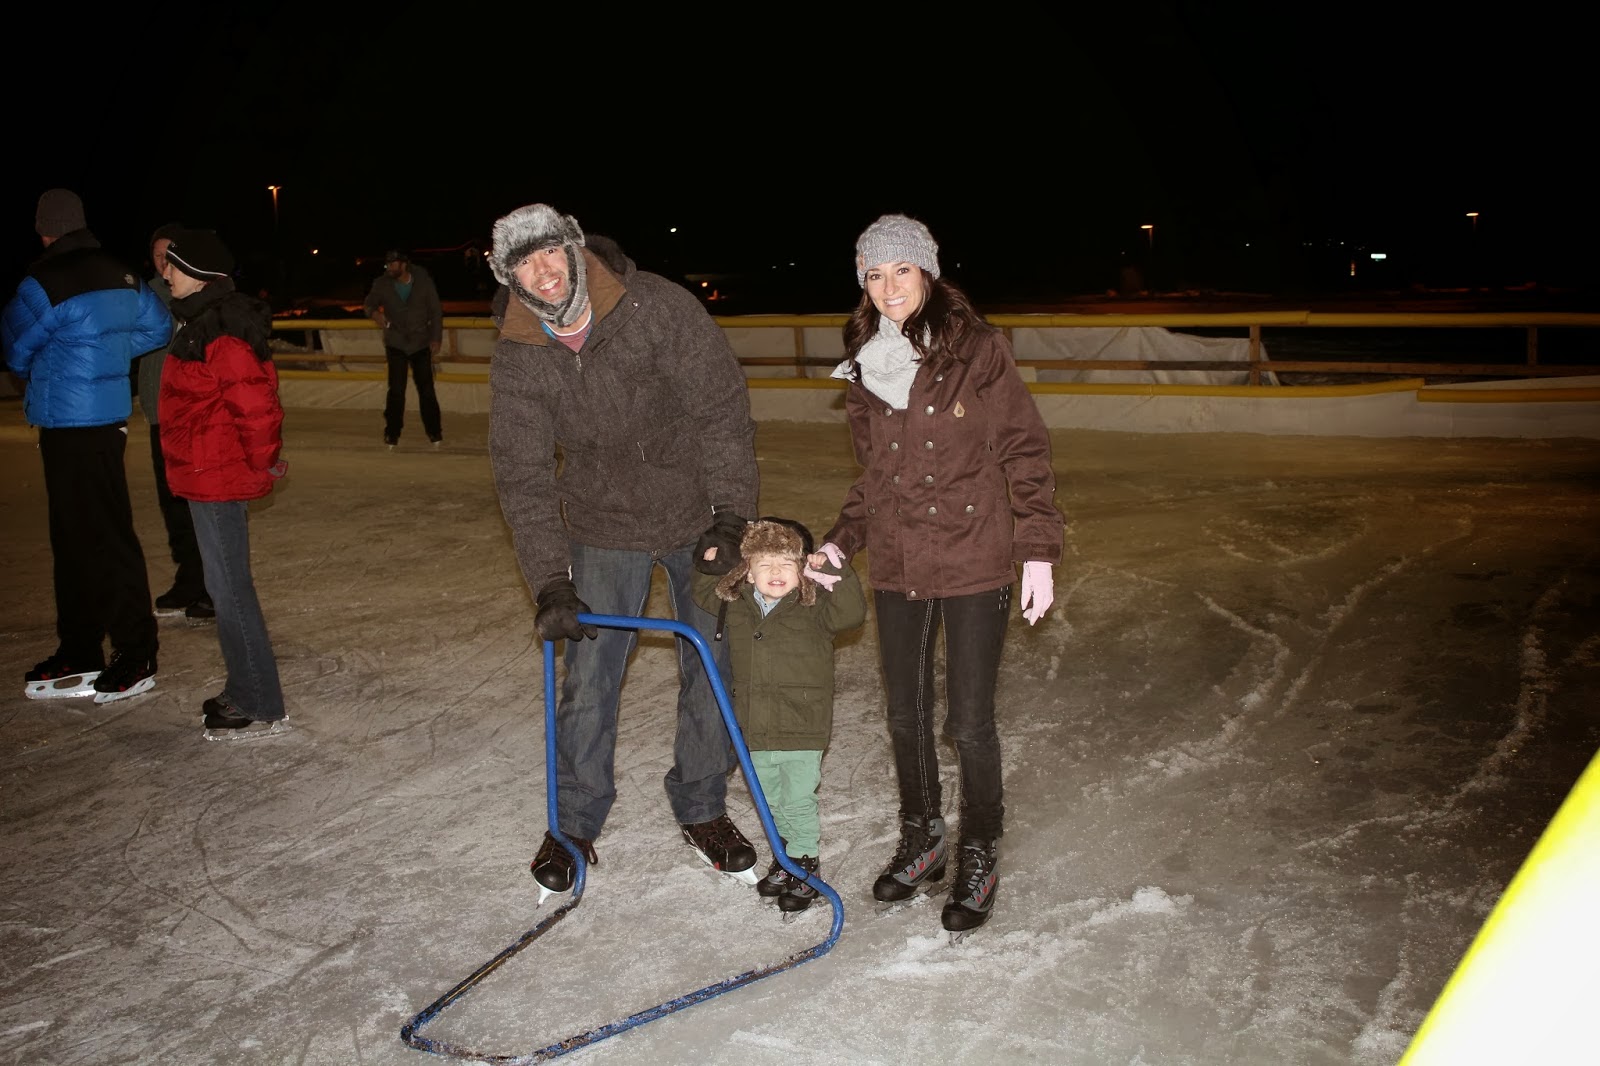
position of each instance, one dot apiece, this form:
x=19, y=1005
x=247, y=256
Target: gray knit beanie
x=527, y=230
x=60, y=212
x=896, y=239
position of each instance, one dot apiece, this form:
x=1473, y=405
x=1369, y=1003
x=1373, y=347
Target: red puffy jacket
x=220, y=423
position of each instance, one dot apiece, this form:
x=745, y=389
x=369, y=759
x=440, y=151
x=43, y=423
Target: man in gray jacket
x=405, y=304
x=627, y=375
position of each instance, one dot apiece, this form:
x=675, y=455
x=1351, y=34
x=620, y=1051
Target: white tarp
x=1151, y=343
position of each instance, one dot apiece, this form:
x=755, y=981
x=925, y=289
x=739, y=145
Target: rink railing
x=809, y=346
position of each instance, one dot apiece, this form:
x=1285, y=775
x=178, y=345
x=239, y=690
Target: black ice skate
x=720, y=844
x=554, y=868
x=224, y=722
x=797, y=894
x=128, y=675
x=770, y=887
x=918, y=861
x=972, y=896
x=59, y=677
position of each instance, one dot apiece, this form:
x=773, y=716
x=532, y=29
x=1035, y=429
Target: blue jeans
x=223, y=532
x=618, y=582
x=975, y=633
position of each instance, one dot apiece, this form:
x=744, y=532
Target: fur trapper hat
x=527, y=230
x=770, y=536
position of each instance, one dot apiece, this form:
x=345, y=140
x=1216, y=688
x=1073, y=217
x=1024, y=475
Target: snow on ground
x=1300, y=710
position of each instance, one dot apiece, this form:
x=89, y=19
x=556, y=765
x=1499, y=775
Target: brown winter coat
x=957, y=488
x=651, y=416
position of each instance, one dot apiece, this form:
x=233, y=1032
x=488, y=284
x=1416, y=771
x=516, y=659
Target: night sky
x=1255, y=139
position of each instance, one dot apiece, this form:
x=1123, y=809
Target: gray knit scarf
x=888, y=364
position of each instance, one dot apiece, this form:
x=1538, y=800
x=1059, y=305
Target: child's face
x=774, y=576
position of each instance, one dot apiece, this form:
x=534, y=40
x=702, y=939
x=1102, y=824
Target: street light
x=273, y=189
x=1474, y=216
x=1150, y=232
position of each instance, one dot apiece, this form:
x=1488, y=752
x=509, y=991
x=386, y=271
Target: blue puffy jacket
x=72, y=331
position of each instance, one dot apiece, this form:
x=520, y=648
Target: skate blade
x=62, y=688
x=957, y=936
x=747, y=877
x=239, y=736
x=790, y=917
x=141, y=686
x=546, y=893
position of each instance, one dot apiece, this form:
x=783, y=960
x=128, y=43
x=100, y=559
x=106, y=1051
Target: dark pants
x=252, y=688
x=975, y=631
x=394, y=408
x=190, y=580
x=617, y=582
x=100, y=581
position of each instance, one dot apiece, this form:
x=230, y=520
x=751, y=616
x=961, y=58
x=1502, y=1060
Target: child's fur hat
x=771, y=536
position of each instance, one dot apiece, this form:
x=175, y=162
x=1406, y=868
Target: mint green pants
x=789, y=780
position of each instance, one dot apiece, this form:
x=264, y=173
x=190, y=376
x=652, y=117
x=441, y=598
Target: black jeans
x=975, y=631
x=190, y=580
x=100, y=581
x=394, y=408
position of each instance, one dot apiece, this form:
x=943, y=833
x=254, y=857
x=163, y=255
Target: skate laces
x=719, y=833
x=914, y=840
x=974, y=862
x=552, y=851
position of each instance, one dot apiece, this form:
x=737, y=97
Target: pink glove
x=827, y=581
x=1038, y=590
x=835, y=556
x=279, y=468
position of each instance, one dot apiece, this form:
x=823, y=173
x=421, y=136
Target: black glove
x=727, y=530
x=559, y=606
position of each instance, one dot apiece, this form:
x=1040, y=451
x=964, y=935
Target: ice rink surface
x=1300, y=710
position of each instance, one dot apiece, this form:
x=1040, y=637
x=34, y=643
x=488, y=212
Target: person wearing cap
x=956, y=491
x=188, y=595
x=221, y=432
x=78, y=320
x=625, y=372
x=405, y=304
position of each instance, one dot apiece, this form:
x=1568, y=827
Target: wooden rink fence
x=805, y=364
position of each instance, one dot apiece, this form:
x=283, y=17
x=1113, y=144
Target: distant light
x=672, y=229
x=313, y=251
x=1379, y=255
x=705, y=284
x=1472, y=214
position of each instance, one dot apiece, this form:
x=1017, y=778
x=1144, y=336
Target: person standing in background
x=221, y=425
x=71, y=333
x=405, y=304
x=188, y=595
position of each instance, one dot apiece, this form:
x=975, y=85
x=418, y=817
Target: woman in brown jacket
x=956, y=490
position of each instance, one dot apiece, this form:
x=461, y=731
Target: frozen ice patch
x=1148, y=900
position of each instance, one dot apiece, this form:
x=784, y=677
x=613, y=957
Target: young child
x=780, y=631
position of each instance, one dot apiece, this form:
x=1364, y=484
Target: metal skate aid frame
x=410, y=1031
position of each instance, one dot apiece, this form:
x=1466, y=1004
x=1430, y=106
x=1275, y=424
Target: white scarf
x=888, y=364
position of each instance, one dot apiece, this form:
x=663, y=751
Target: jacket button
x=927, y=479
x=933, y=510
x=928, y=410
x=938, y=377
x=894, y=446
x=970, y=508
x=888, y=411
x=758, y=634
x=911, y=595
x=895, y=479
x=928, y=444
x=872, y=510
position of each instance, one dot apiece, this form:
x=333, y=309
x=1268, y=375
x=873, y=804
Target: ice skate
x=224, y=722
x=554, y=869
x=59, y=678
x=201, y=612
x=128, y=675
x=972, y=895
x=918, y=861
x=722, y=847
x=770, y=887
x=797, y=894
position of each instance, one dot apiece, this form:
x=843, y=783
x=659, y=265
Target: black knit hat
x=60, y=212
x=394, y=255
x=200, y=254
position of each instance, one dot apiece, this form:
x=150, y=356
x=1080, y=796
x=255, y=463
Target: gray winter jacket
x=414, y=323
x=651, y=416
